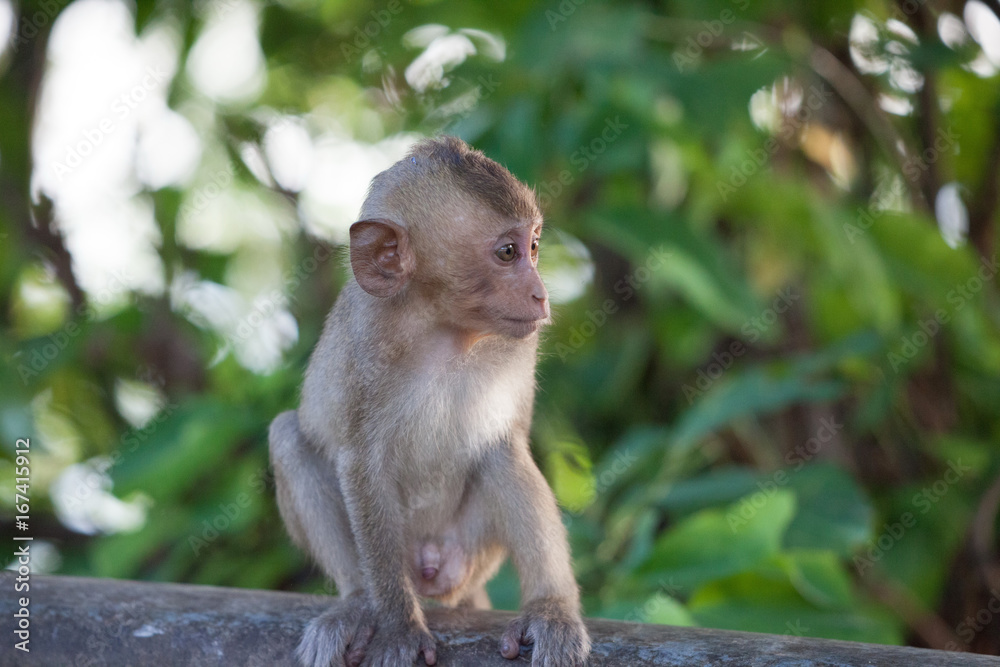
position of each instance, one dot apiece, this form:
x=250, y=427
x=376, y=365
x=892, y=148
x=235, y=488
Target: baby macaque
x=406, y=471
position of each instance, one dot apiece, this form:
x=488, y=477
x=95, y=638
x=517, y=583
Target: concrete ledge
x=78, y=622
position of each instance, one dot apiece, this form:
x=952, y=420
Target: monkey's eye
x=507, y=253
x=534, y=247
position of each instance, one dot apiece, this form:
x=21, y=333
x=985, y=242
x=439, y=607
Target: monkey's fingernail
x=429, y=572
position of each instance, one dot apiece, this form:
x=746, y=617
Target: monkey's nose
x=429, y=573
x=542, y=302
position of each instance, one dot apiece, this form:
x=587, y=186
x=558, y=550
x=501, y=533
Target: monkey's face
x=521, y=303
x=500, y=291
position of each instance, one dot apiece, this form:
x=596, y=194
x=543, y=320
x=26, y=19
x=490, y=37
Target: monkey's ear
x=380, y=256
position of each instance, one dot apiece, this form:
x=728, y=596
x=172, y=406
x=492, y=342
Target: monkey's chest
x=451, y=413
x=452, y=422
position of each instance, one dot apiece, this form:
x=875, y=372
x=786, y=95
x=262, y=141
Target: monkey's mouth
x=524, y=327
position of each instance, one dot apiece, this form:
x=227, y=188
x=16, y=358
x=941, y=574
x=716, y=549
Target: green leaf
x=710, y=545
x=168, y=455
x=569, y=472
x=692, y=263
x=756, y=391
x=764, y=389
x=819, y=577
x=121, y=556
x=665, y=610
x=716, y=487
x=833, y=512
x=715, y=94
x=768, y=602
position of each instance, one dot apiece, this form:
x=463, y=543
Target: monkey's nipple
x=429, y=573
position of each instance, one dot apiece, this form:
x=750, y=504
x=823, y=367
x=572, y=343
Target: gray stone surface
x=77, y=622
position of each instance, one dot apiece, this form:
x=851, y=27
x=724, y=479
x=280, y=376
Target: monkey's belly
x=440, y=566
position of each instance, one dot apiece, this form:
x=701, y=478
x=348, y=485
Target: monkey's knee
x=285, y=445
x=288, y=453
x=284, y=436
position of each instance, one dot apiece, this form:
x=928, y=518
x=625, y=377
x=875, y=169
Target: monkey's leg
x=311, y=503
x=378, y=523
x=487, y=556
x=477, y=598
x=312, y=508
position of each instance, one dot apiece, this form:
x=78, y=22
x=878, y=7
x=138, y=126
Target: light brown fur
x=406, y=470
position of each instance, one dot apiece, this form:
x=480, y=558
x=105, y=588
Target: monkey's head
x=452, y=230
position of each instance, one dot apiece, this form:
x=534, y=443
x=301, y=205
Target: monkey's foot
x=338, y=637
x=555, y=629
x=397, y=646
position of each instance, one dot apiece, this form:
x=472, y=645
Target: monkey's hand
x=397, y=644
x=338, y=637
x=555, y=628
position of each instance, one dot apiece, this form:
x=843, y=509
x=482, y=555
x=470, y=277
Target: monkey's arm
x=375, y=513
x=529, y=524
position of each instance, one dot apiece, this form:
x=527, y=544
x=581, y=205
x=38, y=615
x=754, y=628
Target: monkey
x=406, y=472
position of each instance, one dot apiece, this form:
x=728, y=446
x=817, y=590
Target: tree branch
x=986, y=205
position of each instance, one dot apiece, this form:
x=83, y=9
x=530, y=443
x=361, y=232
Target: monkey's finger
x=322, y=644
x=513, y=637
x=359, y=643
x=428, y=646
x=430, y=655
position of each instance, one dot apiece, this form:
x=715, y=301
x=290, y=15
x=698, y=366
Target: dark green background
x=755, y=433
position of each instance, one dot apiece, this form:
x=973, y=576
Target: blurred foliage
x=774, y=407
